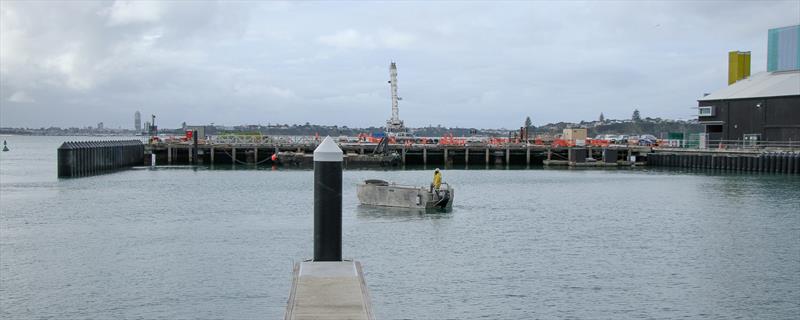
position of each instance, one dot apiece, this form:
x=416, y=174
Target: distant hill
x=658, y=127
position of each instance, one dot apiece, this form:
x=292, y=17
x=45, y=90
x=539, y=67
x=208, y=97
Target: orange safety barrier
x=598, y=142
x=561, y=143
x=449, y=139
x=498, y=141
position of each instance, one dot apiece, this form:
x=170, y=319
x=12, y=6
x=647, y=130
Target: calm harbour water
x=178, y=243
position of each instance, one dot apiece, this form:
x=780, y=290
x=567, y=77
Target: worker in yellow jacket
x=437, y=179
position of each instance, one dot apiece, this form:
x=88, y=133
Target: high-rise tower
x=137, y=121
x=394, y=124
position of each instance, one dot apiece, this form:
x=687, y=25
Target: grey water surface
x=197, y=243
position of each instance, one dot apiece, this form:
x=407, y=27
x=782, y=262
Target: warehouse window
x=713, y=129
x=705, y=111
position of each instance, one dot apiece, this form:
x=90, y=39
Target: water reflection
x=393, y=213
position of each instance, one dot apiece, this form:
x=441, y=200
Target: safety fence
x=693, y=141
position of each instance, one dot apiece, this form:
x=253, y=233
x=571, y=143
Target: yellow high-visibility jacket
x=437, y=180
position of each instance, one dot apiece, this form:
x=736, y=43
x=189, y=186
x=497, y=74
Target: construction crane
x=394, y=124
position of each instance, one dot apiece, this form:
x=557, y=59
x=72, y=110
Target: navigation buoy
x=5, y=146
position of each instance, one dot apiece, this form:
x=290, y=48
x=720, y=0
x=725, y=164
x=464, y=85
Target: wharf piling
x=87, y=158
x=490, y=155
x=585, y=157
x=194, y=147
x=358, y=155
x=767, y=162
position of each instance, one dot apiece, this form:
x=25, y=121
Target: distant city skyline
x=137, y=121
x=460, y=64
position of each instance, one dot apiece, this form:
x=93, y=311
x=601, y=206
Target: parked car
x=648, y=137
x=613, y=138
x=607, y=137
x=647, y=140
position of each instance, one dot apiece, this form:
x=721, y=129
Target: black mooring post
x=328, y=201
x=63, y=160
x=194, y=148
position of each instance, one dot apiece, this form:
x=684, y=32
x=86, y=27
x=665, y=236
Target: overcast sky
x=469, y=64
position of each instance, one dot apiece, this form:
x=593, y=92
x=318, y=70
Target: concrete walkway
x=329, y=290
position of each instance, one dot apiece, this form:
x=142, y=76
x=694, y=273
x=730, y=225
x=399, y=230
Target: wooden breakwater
x=767, y=162
x=87, y=158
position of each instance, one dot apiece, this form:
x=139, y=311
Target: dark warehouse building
x=764, y=107
x=761, y=107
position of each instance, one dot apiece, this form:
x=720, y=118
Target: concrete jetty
x=81, y=158
x=329, y=290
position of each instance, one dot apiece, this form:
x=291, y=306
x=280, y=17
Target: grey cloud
x=460, y=63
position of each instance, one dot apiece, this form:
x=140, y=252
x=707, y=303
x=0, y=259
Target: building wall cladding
x=777, y=118
x=783, y=48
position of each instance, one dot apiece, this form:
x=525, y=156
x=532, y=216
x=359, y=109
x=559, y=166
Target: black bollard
x=194, y=147
x=84, y=160
x=89, y=150
x=784, y=162
x=773, y=162
x=95, y=152
x=63, y=160
x=328, y=201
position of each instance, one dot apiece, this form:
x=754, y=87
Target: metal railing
x=740, y=144
x=260, y=139
x=692, y=142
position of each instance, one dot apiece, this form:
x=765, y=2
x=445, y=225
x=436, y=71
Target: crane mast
x=394, y=124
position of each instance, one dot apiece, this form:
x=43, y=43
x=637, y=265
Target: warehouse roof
x=760, y=85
